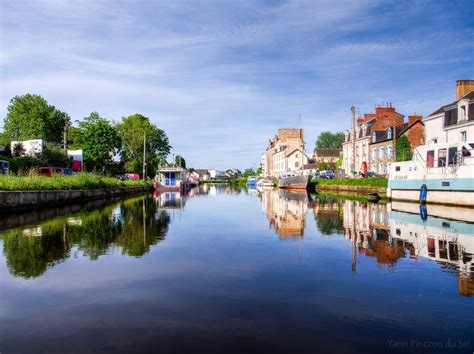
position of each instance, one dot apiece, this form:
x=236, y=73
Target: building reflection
x=388, y=232
x=286, y=211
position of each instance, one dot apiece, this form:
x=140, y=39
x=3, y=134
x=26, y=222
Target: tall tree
x=99, y=140
x=180, y=161
x=31, y=117
x=329, y=140
x=132, y=130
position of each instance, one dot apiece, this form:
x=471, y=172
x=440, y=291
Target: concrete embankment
x=361, y=190
x=15, y=200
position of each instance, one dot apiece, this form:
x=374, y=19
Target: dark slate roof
x=470, y=96
x=328, y=152
x=382, y=135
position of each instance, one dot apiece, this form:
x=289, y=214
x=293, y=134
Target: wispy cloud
x=221, y=77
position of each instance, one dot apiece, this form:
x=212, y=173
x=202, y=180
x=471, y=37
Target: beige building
x=285, y=152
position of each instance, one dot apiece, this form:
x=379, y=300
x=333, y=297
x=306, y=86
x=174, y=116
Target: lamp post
x=353, y=165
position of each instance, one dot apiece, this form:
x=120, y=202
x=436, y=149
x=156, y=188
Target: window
x=296, y=156
x=374, y=137
x=382, y=153
x=441, y=157
x=389, y=151
x=462, y=113
x=389, y=133
x=296, y=164
x=463, y=136
x=430, y=159
x=434, y=140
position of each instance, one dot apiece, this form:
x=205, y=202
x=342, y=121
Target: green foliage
x=74, y=139
x=18, y=150
x=4, y=140
x=403, y=149
x=96, y=231
x=249, y=172
x=21, y=165
x=30, y=117
x=259, y=170
x=57, y=182
x=339, y=162
x=132, y=130
x=329, y=140
x=180, y=161
x=54, y=156
x=99, y=140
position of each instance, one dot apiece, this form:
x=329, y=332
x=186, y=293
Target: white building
x=453, y=122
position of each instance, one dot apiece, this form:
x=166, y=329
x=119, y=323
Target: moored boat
x=439, y=173
x=293, y=180
x=172, y=178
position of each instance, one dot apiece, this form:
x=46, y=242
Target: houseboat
x=294, y=180
x=172, y=178
x=442, y=170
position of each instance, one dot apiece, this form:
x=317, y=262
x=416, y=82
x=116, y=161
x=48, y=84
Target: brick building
x=384, y=117
x=382, y=145
x=285, y=152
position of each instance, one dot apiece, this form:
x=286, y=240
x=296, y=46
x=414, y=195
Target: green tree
x=132, y=130
x=31, y=117
x=249, y=172
x=74, y=138
x=180, y=161
x=100, y=140
x=329, y=140
x=403, y=149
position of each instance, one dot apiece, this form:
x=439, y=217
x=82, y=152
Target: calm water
x=226, y=270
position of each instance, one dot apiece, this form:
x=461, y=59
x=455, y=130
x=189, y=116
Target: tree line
x=108, y=147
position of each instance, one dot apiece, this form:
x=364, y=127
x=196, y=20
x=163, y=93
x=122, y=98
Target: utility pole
x=353, y=165
x=144, y=154
x=65, y=138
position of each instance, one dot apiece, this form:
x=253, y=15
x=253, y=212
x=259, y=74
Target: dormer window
x=374, y=137
x=389, y=133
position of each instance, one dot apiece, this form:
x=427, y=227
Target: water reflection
x=286, y=211
x=131, y=226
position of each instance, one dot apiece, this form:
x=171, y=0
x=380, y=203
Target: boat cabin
x=171, y=177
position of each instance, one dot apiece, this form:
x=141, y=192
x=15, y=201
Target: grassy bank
x=239, y=182
x=214, y=181
x=368, y=182
x=80, y=181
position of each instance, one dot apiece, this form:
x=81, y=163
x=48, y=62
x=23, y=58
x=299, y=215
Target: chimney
x=360, y=120
x=413, y=118
x=463, y=87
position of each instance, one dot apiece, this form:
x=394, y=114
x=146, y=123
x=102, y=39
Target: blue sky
x=220, y=77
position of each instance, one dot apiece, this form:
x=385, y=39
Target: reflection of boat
x=265, y=183
x=293, y=180
x=252, y=182
x=170, y=199
x=172, y=178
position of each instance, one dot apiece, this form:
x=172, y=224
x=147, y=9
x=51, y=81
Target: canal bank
x=23, y=200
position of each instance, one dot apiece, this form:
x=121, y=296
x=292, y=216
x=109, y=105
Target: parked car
x=50, y=171
x=68, y=172
x=326, y=174
x=369, y=174
x=4, y=167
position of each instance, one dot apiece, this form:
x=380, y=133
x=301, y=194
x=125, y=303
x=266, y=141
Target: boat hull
x=295, y=182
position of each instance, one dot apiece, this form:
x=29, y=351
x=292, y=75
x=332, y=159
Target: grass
x=214, y=181
x=370, y=182
x=79, y=181
x=239, y=182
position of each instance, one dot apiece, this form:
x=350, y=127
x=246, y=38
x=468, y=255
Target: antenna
x=300, y=125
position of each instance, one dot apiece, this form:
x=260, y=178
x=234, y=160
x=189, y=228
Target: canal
x=225, y=270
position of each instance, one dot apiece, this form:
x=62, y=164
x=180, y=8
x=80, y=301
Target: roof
x=294, y=150
x=328, y=152
x=441, y=109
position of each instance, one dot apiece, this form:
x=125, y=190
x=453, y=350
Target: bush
x=23, y=164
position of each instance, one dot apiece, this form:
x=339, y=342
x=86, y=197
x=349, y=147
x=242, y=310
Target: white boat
x=265, y=183
x=440, y=173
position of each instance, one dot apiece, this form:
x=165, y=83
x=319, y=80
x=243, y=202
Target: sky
x=220, y=77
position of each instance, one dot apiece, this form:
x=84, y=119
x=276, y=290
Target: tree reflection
x=133, y=225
